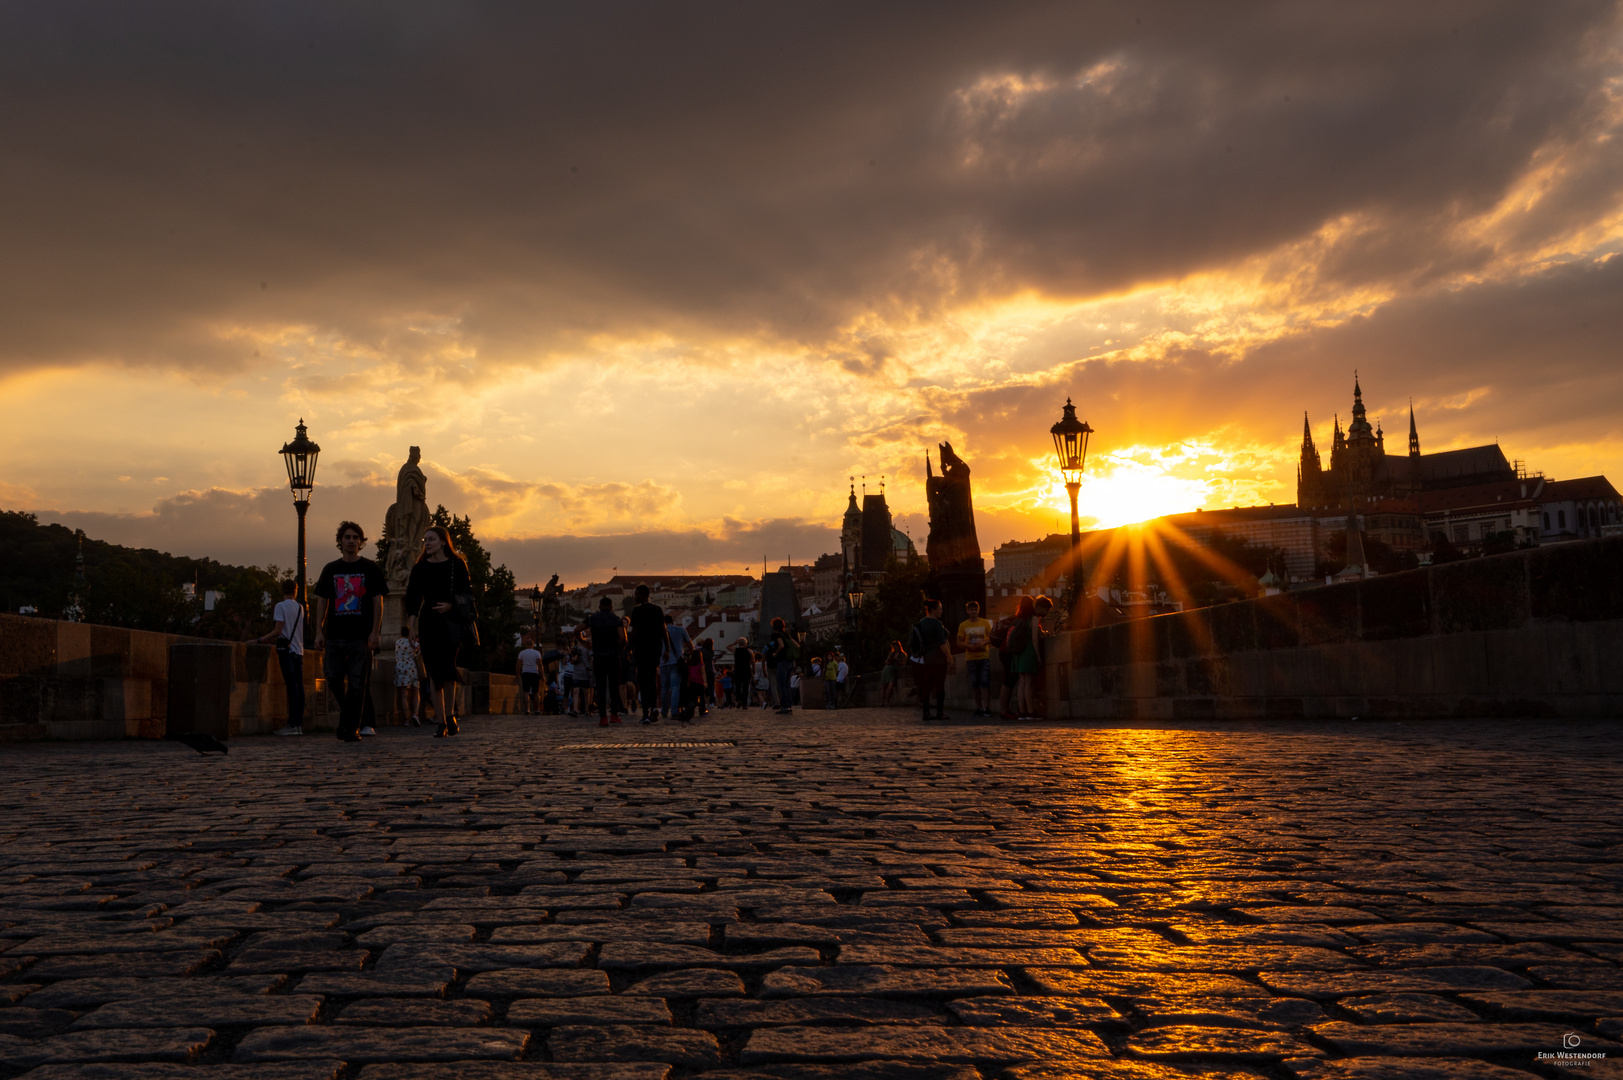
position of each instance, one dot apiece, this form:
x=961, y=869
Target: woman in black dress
x=438, y=574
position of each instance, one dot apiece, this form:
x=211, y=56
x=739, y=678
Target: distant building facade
x=1018, y=561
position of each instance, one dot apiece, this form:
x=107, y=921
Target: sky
x=648, y=283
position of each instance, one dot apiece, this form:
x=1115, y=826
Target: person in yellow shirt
x=975, y=638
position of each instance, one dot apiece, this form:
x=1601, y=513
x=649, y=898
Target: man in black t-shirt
x=608, y=638
x=349, y=595
x=647, y=642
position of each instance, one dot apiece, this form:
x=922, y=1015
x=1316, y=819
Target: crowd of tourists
x=641, y=664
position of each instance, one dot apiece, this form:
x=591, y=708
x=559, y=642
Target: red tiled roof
x=1501, y=493
x=1583, y=487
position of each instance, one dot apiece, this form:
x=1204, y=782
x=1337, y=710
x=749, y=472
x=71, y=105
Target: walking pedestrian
x=288, y=637
x=439, y=576
x=406, y=694
x=529, y=676
x=647, y=644
x=975, y=638
x=608, y=639
x=784, y=654
x=743, y=672
x=931, y=652
x=841, y=671
x=567, y=674
x=349, y=615
x=707, y=652
x=895, y=662
x=831, y=686
x=672, y=676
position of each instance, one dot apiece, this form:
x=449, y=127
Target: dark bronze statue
x=552, y=608
x=953, y=549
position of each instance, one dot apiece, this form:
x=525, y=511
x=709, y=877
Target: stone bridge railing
x=1531, y=633
x=63, y=680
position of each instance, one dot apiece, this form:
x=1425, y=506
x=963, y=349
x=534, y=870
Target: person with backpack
x=288, y=637
x=930, y=649
x=785, y=651
x=672, y=670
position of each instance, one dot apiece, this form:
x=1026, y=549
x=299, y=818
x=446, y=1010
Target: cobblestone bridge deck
x=834, y=895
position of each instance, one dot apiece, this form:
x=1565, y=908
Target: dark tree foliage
x=1444, y=552
x=493, y=594
x=133, y=587
x=889, y=610
x=1383, y=558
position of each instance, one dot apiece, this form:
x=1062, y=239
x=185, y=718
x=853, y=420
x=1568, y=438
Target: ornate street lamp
x=300, y=455
x=1071, y=447
x=535, y=612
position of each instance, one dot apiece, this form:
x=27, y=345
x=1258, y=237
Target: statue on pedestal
x=953, y=549
x=552, y=609
x=406, y=522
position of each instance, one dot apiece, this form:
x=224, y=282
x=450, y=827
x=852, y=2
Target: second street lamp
x=535, y=613
x=300, y=456
x=1071, y=447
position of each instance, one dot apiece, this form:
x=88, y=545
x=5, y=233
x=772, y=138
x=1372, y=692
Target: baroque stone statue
x=953, y=548
x=407, y=521
x=552, y=608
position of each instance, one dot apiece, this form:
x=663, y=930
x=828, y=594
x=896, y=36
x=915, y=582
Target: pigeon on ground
x=200, y=742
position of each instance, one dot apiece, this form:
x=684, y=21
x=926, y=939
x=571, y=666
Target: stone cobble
x=849, y=895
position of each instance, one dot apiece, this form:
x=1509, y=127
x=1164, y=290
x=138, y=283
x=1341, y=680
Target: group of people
x=928, y=657
x=621, y=664
x=644, y=662
x=349, y=594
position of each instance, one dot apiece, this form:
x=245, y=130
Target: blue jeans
x=292, y=666
x=671, y=677
x=347, y=665
x=785, y=669
x=831, y=694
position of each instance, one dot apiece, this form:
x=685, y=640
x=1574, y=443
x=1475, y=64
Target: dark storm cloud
x=542, y=173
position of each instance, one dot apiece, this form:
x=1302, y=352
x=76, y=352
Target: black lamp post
x=300, y=455
x=535, y=612
x=1071, y=447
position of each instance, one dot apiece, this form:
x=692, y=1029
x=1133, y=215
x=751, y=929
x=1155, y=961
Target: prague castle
x=1362, y=473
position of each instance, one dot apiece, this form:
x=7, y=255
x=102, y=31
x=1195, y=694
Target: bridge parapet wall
x=1529, y=633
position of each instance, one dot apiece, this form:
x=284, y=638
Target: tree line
x=144, y=589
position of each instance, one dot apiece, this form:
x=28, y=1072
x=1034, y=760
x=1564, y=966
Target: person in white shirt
x=529, y=676
x=288, y=637
x=840, y=673
x=406, y=693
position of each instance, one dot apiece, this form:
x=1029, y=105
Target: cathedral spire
x=1310, y=453
x=1359, y=430
x=1414, y=434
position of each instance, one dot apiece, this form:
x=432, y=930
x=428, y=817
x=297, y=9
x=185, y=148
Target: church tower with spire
x=1309, y=470
x=1414, y=435
x=851, y=530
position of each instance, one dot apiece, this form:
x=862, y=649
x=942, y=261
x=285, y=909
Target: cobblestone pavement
x=850, y=895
